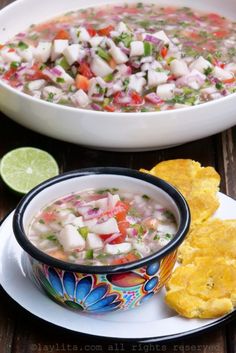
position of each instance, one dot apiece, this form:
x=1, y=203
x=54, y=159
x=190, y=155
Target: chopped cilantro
x=41, y=221
x=219, y=85
x=145, y=197
x=60, y=80
x=51, y=237
x=22, y=45
x=83, y=231
x=89, y=254
x=125, y=38
x=15, y=64
x=208, y=71
x=50, y=97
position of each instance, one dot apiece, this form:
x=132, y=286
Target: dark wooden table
x=21, y=332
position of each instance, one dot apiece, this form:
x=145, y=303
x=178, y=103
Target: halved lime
x=24, y=168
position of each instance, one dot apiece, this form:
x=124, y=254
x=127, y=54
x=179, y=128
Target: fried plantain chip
x=199, y=185
x=206, y=288
x=215, y=238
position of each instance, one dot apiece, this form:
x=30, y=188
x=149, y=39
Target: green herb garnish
x=23, y=45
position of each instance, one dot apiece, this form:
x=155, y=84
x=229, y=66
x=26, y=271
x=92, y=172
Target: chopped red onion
x=111, y=238
x=153, y=98
x=55, y=71
x=96, y=106
x=153, y=40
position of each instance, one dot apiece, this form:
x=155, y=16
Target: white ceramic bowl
x=104, y=130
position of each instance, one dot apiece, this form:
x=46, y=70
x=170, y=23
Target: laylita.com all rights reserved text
x=120, y=347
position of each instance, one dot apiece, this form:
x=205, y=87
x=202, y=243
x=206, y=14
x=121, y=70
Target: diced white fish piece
x=118, y=55
x=166, y=91
x=90, y=222
x=55, y=226
x=9, y=55
x=101, y=203
x=40, y=227
x=63, y=214
x=231, y=67
x=116, y=249
x=27, y=54
x=163, y=241
x=43, y=51
x=166, y=228
x=93, y=241
x=99, y=67
x=70, y=238
x=78, y=222
x=63, y=79
x=59, y=45
x=80, y=98
x=156, y=78
x=162, y=36
x=83, y=34
x=142, y=248
x=69, y=219
x=52, y=91
x=222, y=74
x=200, y=64
x=179, y=68
x=136, y=48
x=112, y=200
x=136, y=83
x=36, y=85
x=108, y=227
x=96, y=41
x=72, y=53
x=122, y=27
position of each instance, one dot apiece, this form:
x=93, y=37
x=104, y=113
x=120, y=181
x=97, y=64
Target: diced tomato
x=62, y=34
x=132, y=10
x=169, y=10
x=112, y=63
x=38, y=74
x=44, y=27
x=8, y=74
x=193, y=35
x=221, y=34
x=229, y=80
x=109, y=108
x=92, y=32
x=82, y=82
x=48, y=216
x=11, y=50
x=216, y=19
x=127, y=258
x=164, y=52
x=120, y=211
x=136, y=98
x=123, y=225
x=84, y=70
x=105, y=236
x=171, y=78
x=105, y=31
x=1, y=46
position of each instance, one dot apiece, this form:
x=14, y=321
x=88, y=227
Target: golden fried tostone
x=215, y=238
x=206, y=288
x=199, y=185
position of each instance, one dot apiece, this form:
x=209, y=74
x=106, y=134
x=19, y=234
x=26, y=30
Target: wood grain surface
x=21, y=332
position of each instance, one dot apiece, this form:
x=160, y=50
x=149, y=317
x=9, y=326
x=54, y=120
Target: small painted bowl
x=101, y=289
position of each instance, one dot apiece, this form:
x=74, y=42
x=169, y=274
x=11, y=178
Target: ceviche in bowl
x=163, y=70
x=102, y=239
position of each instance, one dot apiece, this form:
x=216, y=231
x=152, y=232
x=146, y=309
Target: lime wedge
x=24, y=168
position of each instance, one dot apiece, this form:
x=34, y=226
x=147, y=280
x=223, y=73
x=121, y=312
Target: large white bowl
x=103, y=130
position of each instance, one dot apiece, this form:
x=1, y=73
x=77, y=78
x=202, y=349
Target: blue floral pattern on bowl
x=101, y=293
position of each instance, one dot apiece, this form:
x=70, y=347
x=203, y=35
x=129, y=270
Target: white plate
x=152, y=321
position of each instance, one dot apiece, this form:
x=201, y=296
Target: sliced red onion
x=188, y=43
x=112, y=237
x=96, y=106
x=55, y=71
x=153, y=98
x=21, y=35
x=132, y=232
x=98, y=97
x=67, y=198
x=153, y=40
